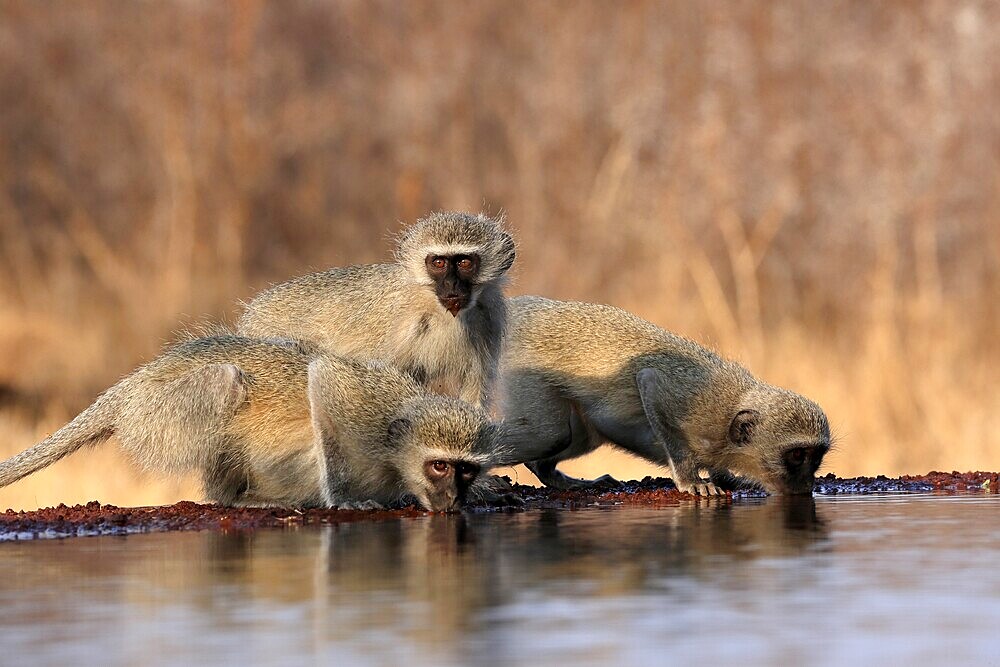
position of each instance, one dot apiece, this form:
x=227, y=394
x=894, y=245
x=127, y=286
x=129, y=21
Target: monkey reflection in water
x=452, y=567
x=440, y=580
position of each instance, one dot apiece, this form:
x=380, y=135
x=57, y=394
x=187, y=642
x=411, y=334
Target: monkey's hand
x=688, y=480
x=727, y=481
x=494, y=491
x=699, y=488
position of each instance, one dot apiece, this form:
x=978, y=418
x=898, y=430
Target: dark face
x=800, y=463
x=454, y=277
x=448, y=482
x=794, y=471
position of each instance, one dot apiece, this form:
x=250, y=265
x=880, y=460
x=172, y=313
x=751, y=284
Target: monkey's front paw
x=494, y=483
x=709, y=489
x=492, y=498
x=494, y=491
x=730, y=482
x=699, y=488
x=363, y=505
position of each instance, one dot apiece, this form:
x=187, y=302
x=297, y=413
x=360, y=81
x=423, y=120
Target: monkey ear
x=398, y=428
x=742, y=427
x=507, y=253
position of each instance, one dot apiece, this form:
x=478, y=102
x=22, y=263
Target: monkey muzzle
x=445, y=500
x=799, y=488
x=454, y=304
x=790, y=486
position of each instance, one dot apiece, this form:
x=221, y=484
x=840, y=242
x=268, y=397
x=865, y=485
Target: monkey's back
x=589, y=338
x=272, y=410
x=365, y=395
x=592, y=352
x=271, y=424
x=346, y=310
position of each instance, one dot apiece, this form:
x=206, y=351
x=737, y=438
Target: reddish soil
x=96, y=519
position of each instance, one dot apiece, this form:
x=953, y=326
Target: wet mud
x=97, y=519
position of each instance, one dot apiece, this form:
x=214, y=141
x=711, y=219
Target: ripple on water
x=880, y=578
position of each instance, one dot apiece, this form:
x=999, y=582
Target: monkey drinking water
x=266, y=423
x=577, y=375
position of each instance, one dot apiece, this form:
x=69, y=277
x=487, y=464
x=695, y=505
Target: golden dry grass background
x=812, y=188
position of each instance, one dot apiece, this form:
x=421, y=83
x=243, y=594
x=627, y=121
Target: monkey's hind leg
x=582, y=440
x=227, y=479
x=547, y=474
x=536, y=420
x=179, y=425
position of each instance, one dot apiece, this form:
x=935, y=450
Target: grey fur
x=576, y=375
x=264, y=422
x=390, y=312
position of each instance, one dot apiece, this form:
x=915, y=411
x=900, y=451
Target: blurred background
x=810, y=188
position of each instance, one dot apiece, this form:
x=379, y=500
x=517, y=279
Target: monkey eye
x=796, y=456
x=468, y=471
x=438, y=468
x=438, y=262
x=467, y=263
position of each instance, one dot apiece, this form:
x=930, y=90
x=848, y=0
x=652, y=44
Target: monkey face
x=797, y=465
x=447, y=483
x=783, y=465
x=454, y=278
x=441, y=445
x=783, y=470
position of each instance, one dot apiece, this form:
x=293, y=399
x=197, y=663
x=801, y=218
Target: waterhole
x=889, y=579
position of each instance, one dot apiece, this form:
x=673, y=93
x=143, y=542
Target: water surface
x=907, y=579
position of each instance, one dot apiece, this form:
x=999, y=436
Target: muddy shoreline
x=96, y=519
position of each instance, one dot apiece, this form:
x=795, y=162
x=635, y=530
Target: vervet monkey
x=437, y=313
x=577, y=375
x=265, y=423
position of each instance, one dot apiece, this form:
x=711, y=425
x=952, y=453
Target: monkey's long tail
x=93, y=425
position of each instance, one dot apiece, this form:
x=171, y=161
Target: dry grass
x=809, y=188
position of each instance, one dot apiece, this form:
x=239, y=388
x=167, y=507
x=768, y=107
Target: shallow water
x=907, y=579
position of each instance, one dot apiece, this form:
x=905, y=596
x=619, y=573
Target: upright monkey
x=576, y=375
x=437, y=313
